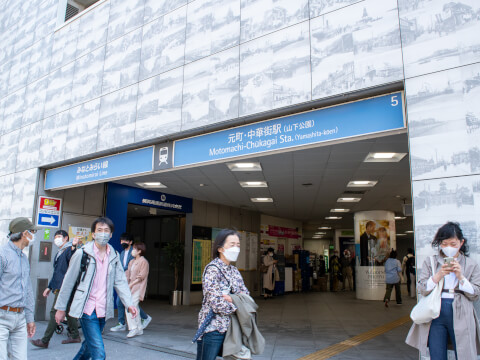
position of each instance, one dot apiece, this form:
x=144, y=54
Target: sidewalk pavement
x=293, y=325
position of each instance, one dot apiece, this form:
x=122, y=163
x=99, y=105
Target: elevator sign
x=48, y=213
x=370, y=116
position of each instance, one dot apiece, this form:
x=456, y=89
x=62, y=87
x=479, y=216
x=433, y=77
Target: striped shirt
x=15, y=286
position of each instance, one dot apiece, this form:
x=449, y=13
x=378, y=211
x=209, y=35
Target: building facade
x=120, y=75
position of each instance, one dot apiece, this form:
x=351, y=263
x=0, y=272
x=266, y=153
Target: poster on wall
x=84, y=233
x=201, y=256
x=253, y=253
x=375, y=242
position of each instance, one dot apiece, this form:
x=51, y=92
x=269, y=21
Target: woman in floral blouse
x=220, y=279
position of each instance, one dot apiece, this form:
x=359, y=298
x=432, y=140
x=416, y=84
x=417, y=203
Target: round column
x=374, y=238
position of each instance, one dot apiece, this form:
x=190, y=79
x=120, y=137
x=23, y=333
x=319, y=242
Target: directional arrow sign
x=49, y=210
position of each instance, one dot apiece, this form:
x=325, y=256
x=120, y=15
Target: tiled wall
x=441, y=54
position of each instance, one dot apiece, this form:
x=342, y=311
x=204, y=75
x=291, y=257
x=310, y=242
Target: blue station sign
x=102, y=169
x=379, y=114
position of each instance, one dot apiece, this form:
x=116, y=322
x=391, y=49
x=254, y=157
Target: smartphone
x=448, y=260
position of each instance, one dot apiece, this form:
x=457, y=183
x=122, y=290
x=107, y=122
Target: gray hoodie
x=115, y=279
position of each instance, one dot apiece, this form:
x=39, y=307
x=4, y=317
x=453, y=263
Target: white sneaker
x=146, y=321
x=134, y=332
x=119, y=327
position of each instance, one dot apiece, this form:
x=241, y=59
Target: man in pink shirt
x=93, y=273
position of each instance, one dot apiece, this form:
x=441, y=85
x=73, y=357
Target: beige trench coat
x=138, y=270
x=268, y=280
x=465, y=321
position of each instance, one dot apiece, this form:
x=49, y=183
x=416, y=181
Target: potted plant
x=175, y=252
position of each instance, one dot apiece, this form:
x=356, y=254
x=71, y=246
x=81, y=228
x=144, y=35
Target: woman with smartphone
x=457, y=324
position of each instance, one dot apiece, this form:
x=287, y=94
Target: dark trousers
x=92, y=347
x=210, y=346
x=52, y=324
x=440, y=330
x=409, y=283
x=398, y=294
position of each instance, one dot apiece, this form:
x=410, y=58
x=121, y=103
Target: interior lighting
x=384, y=157
x=339, y=210
x=362, y=183
x=349, y=199
x=401, y=234
x=152, y=184
x=333, y=218
x=253, y=184
x=409, y=232
x=262, y=199
x=400, y=217
x=324, y=228
x=245, y=166
x=320, y=233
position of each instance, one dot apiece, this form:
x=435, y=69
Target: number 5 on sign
x=394, y=100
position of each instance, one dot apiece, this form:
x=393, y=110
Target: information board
x=201, y=256
x=48, y=212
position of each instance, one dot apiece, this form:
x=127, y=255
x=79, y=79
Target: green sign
x=201, y=256
x=331, y=247
x=46, y=234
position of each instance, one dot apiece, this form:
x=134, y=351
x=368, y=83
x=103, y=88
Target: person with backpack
x=60, y=266
x=94, y=271
x=220, y=279
x=408, y=269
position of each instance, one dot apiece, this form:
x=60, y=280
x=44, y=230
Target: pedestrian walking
x=347, y=272
x=409, y=270
x=16, y=295
x=393, y=270
x=271, y=275
x=66, y=249
x=137, y=277
x=219, y=280
x=126, y=240
x=94, y=271
x=458, y=319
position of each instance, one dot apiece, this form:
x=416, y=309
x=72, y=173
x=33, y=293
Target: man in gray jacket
x=89, y=284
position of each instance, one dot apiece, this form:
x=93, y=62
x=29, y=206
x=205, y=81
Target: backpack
x=81, y=275
x=410, y=265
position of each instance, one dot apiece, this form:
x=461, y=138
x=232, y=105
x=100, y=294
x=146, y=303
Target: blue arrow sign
x=48, y=220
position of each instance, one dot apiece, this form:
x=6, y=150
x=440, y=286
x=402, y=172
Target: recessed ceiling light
x=409, y=232
x=245, y=166
x=400, y=217
x=362, y=183
x=253, y=184
x=333, y=218
x=320, y=233
x=262, y=199
x=401, y=234
x=152, y=184
x=202, y=185
x=316, y=237
x=384, y=157
x=324, y=228
x=349, y=199
x=339, y=210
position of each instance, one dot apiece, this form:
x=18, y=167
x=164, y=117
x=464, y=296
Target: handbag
x=428, y=308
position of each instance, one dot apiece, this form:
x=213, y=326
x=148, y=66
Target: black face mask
x=125, y=245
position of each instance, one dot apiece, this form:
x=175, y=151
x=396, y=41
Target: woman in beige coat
x=137, y=276
x=271, y=275
x=457, y=320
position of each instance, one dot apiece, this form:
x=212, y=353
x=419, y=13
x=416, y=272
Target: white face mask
x=32, y=240
x=58, y=241
x=450, y=251
x=102, y=238
x=231, y=254
x=134, y=253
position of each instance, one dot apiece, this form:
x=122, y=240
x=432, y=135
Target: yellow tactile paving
x=333, y=350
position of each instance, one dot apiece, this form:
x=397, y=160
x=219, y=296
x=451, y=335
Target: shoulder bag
x=428, y=308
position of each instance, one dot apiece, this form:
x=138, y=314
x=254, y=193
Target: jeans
x=121, y=312
x=440, y=330
x=210, y=346
x=398, y=294
x=92, y=346
x=13, y=336
x=52, y=324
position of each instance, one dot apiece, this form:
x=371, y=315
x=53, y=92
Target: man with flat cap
x=16, y=295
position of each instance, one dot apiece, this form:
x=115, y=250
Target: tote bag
x=428, y=308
